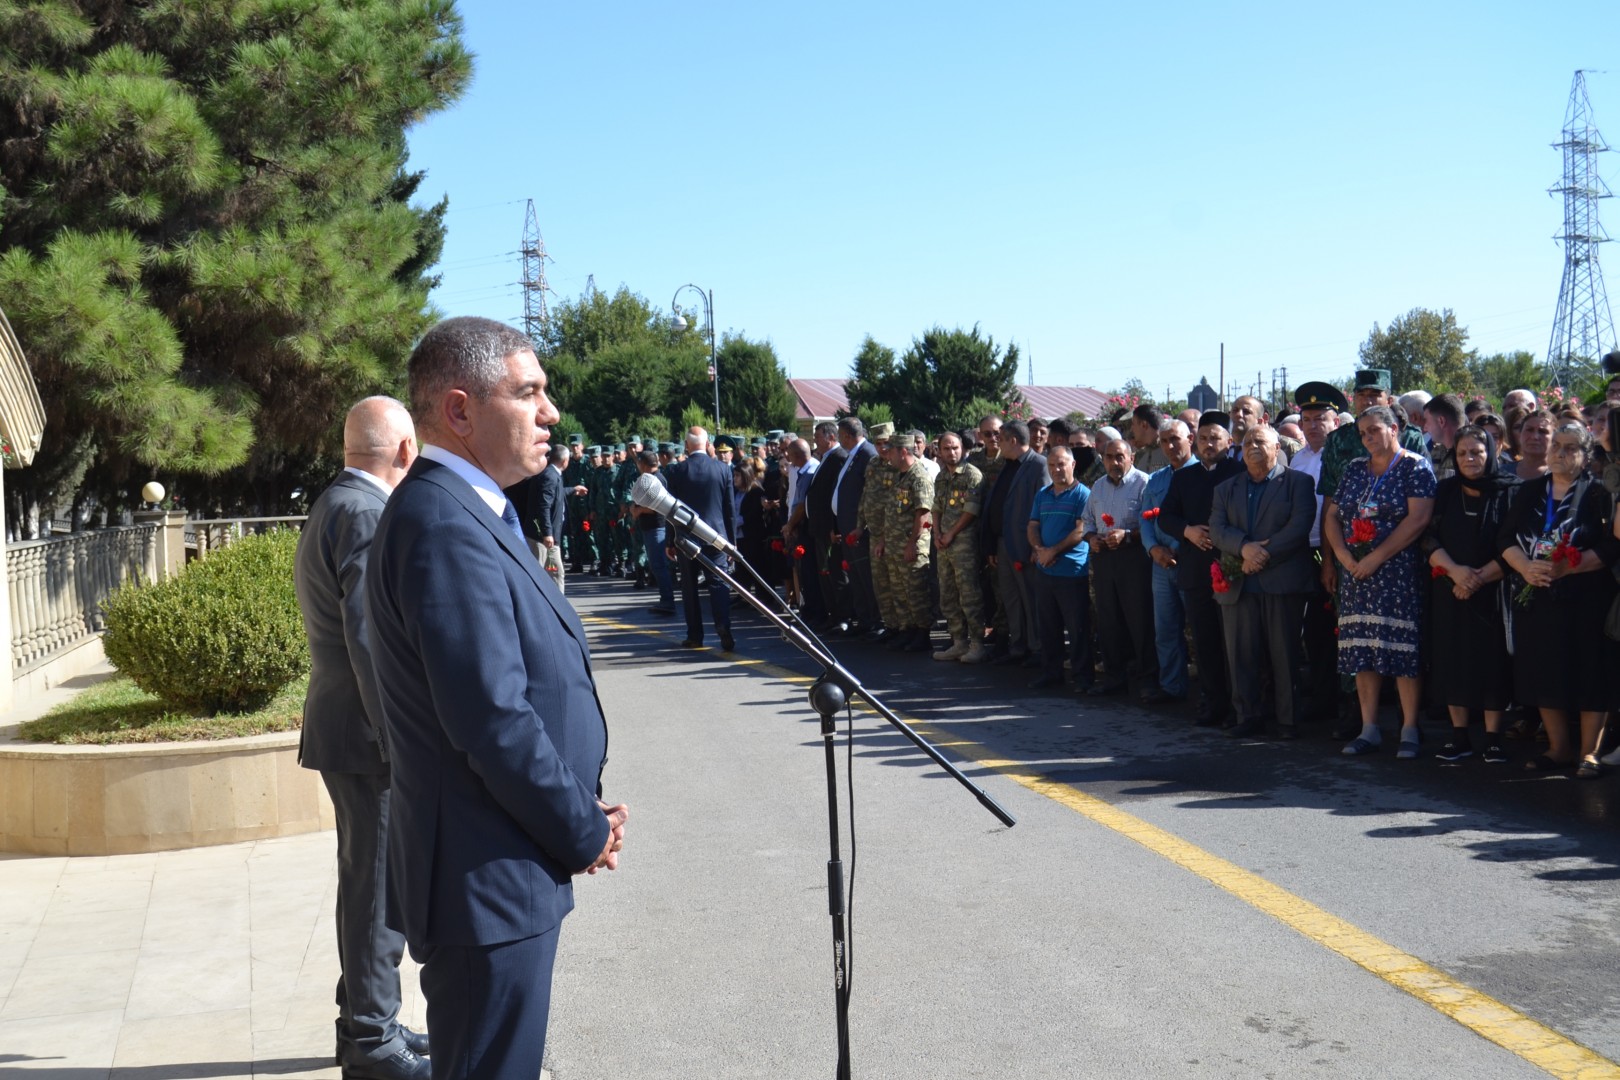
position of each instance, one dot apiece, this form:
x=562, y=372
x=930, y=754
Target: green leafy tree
x=941, y=380
x=1493, y=376
x=1421, y=350
x=207, y=246
x=754, y=390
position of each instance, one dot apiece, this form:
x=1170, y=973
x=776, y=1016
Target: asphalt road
x=1171, y=902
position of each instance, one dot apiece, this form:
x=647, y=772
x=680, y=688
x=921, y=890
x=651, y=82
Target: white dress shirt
x=488, y=490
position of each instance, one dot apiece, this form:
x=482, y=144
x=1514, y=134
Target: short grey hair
x=466, y=353
x=375, y=424
x=696, y=439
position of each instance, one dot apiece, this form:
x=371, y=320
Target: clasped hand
x=609, y=859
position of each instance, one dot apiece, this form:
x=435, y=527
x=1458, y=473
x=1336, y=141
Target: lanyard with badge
x=1550, y=536
x=1369, y=506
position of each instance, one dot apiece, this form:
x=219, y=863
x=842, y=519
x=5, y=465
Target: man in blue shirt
x=1169, y=614
x=1059, y=586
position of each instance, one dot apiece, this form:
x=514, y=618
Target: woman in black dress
x=750, y=521
x=1471, y=668
x=1562, y=662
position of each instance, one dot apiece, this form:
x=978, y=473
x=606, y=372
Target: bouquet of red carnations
x=1562, y=552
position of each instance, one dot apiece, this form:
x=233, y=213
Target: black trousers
x=856, y=598
x=811, y=600
x=1064, y=604
x=719, y=600
x=1209, y=642
x=1262, y=629
x=368, y=951
x=1124, y=581
x=1321, y=689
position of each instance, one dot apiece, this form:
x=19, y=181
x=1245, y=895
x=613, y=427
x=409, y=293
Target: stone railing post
x=171, y=540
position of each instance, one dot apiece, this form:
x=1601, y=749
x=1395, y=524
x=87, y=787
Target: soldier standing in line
x=602, y=514
x=576, y=491
x=956, y=505
x=624, y=478
x=906, y=545
x=986, y=458
x=872, y=518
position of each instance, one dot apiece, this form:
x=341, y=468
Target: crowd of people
x=1274, y=573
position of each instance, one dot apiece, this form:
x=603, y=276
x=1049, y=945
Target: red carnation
x=1436, y=572
x=1217, y=580
x=777, y=547
x=845, y=565
x=585, y=525
x=1017, y=565
x=852, y=539
x=1150, y=514
x=798, y=551
x=1574, y=557
x=1363, y=531
x=1108, y=521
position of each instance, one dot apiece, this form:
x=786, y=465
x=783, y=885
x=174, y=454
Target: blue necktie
x=509, y=516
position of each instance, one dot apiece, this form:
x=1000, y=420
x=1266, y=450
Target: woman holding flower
x=1382, y=506
x=1471, y=668
x=1559, y=538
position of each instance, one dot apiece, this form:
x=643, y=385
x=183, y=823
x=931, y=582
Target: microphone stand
x=830, y=694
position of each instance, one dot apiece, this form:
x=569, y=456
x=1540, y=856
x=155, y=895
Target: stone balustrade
x=56, y=586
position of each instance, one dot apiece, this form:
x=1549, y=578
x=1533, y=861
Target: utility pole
x=1222, y=382
x=1584, y=323
x=533, y=250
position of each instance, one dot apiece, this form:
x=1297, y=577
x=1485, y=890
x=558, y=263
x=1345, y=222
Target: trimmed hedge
x=224, y=636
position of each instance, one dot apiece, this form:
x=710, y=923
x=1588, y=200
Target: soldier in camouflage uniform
x=956, y=506
x=986, y=457
x=872, y=518
x=906, y=545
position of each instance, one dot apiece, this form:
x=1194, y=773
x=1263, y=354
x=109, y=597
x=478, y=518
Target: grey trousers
x=1012, y=587
x=368, y=951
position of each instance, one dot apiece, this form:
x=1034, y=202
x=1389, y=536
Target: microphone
x=649, y=494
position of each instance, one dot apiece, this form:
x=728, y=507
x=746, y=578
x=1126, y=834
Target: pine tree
x=206, y=241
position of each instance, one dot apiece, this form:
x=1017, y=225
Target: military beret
x=1320, y=395
x=1216, y=417
x=1372, y=379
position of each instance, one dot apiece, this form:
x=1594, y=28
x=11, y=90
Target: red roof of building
x=823, y=399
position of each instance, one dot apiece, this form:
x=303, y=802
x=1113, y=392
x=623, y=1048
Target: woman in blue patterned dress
x=1372, y=524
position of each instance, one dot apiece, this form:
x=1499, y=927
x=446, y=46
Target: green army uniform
x=912, y=495
x=956, y=494
x=601, y=497
x=873, y=517
x=576, y=539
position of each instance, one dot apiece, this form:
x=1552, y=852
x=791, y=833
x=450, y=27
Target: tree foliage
x=1421, y=350
x=939, y=383
x=618, y=363
x=207, y=246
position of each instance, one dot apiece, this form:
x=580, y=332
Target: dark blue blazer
x=849, y=492
x=342, y=713
x=495, y=734
x=704, y=484
x=1029, y=478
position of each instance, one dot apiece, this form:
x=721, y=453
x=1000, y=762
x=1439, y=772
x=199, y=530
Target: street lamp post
x=714, y=362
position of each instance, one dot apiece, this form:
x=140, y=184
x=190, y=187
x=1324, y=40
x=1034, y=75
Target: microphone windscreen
x=652, y=495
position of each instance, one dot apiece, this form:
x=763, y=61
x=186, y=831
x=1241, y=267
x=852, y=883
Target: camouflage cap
x=880, y=431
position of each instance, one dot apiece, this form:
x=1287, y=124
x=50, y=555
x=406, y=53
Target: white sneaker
x=956, y=651
x=978, y=654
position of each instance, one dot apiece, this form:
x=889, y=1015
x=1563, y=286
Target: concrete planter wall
x=116, y=800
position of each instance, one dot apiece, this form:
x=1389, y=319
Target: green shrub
x=223, y=636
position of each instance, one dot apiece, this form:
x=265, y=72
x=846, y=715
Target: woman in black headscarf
x=1471, y=668
x=1558, y=537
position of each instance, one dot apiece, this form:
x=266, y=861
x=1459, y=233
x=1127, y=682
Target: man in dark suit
x=857, y=602
x=342, y=734
x=541, y=509
x=495, y=733
x=821, y=524
x=1011, y=497
x=1185, y=517
x=1264, y=517
x=704, y=484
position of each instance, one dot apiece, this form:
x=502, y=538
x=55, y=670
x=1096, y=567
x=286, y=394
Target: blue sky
x=1117, y=190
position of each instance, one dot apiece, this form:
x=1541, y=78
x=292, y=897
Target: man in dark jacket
x=857, y=602
x=704, y=484
x=822, y=524
x=1185, y=517
x=1005, y=537
x=342, y=737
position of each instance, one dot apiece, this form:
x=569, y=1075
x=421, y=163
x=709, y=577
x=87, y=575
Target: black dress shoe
x=1103, y=689
x=1046, y=682
x=416, y=1040
x=1244, y=729
x=1158, y=695
x=1008, y=658
x=692, y=643
x=660, y=609
x=728, y=643
x=921, y=641
x=1206, y=720
x=1287, y=731
x=405, y=1064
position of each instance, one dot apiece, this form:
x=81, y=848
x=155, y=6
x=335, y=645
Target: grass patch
x=118, y=711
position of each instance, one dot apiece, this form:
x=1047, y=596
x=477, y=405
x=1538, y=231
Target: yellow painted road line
x=1479, y=1012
